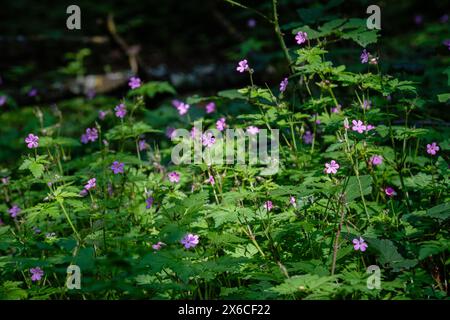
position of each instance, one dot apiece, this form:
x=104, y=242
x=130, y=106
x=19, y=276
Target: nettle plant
x=355, y=187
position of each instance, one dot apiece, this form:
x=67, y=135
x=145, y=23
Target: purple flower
x=91, y=184
x=376, y=160
x=149, y=202
x=208, y=139
x=293, y=201
x=84, y=139
x=134, y=82
x=432, y=148
x=301, y=37
x=175, y=102
x=14, y=211
x=358, y=126
x=36, y=274
x=369, y=127
x=90, y=94
x=3, y=100
x=182, y=108
x=444, y=18
x=220, y=124
x=210, y=107
x=117, y=167
x=308, y=137
x=91, y=135
x=366, y=104
x=211, y=180
x=143, y=145
x=284, y=84
x=446, y=43
x=418, y=19
x=32, y=141
x=5, y=180
x=251, y=23
x=252, y=130
x=346, y=124
x=359, y=244
x=336, y=109
x=121, y=111
x=190, y=241
x=390, y=192
x=158, y=245
x=170, y=132
x=365, y=56
x=33, y=92
x=101, y=114
x=83, y=193
x=268, y=205
x=174, y=177
x=331, y=167
x=242, y=66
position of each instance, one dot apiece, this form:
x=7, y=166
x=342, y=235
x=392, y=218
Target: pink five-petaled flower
x=369, y=127
x=211, y=180
x=174, y=177
x=149, y=202
x=308, y=137
x=390, y=192
x=190, y=240
x=252, y=130
x=358, y=126
x=242, y=66
x=158, y=245
x=33, y=92
x=3, y=100
x=301, y=37
x=293, y=201
x=36, y=274
x=220, y=124
x=143, y=145
x=170, y=132
x=432, y=148
x=134, y=82
x=366, y=104
x=208, y=139
x=32, y=141
x=284, y=84
x=359, y=244
x=117, y=167
x=91, y=184
x=182, y=108
x=210, y=107
x=14, y=211
x=336, y=109
x=101, y=114
x=331, y=167
x=376, y=160
x=268, y=205
x=121, y=111
x=365, y=56
x=446, y=43
x=90, y=135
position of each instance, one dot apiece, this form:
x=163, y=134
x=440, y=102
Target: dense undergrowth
x=360, y=182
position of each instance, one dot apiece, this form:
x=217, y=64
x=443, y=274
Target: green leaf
x=150, y=89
